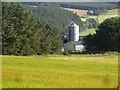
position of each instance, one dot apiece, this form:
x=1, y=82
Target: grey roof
x=72, y=24
x=76, y=42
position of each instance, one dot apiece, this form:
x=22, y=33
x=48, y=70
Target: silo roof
x=73, y=24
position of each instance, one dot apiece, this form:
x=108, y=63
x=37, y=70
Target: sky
x=59, y=0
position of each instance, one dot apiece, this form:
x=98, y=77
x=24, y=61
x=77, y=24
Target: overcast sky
x=59, y=0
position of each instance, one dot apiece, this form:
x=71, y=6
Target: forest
x=52, y=14
x=24, y=35
x=55, y=16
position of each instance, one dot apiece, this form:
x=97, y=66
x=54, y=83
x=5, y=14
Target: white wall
x=79, y=47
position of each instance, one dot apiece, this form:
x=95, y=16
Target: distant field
x=87, y=32
x=111, y=13
x=80, y=71
x=77, y=11
x=101, y=18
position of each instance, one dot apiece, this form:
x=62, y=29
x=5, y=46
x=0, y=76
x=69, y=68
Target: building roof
x=75, y=42
x=72, y=24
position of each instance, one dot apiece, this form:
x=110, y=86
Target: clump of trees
x=107, y=36
x=22, y=34
x=91, y=23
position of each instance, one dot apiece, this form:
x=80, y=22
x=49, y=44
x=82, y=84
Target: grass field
x=77, y=11
x=101, y=18
x=80, y=71
x=111, y=13
x=87, y=32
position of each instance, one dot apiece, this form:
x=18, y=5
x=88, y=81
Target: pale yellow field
x=101, y=18
x=77, y=11
x=76, y=71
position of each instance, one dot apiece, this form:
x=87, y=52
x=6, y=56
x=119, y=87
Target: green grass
x=111, y=13
x=101, y=18
x=87, y=32
x=80, y=71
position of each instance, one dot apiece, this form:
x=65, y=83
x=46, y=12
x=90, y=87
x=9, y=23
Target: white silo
x=73, y=32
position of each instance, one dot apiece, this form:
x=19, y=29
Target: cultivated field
x=80, y=71
x=77, y=11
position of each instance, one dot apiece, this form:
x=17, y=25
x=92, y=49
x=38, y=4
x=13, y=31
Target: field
x=77, y=11
x=76, y=71
x=111, y=13
x=101, y=18
x=87, y=32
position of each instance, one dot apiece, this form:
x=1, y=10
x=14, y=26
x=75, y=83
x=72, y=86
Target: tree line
x=90, y=5
x=22, y=34
x=107, y=36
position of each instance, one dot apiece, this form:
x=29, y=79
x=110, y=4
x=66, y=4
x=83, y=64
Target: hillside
x=77, y=11
x=90, y=5
x=59, y=15
x=100, y=18
x=111, y=13
x=55, y=16
x=77, y=5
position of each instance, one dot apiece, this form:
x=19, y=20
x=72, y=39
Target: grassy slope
x=111, y=13
x=87, y=32
x=101, y=18
x=59, y=71
x=77, y=11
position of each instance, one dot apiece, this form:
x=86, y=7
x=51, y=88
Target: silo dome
x=73, y=32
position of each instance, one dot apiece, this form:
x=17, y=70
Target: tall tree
x=23, y=35
x=108, y=35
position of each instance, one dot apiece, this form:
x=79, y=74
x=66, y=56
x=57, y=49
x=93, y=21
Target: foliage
x=23, y=35
x=107, y=35
x=55, y=16
x=91, y=23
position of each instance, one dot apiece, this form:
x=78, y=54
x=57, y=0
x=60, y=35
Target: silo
x=73, y=32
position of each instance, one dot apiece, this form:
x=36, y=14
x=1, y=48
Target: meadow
x=59, y=71
x=109, y=14
x=87, y=32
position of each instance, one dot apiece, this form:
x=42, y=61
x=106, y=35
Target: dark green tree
x=22, y=34
x=108, y=35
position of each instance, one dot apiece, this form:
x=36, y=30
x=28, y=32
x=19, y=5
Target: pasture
x=77, y=11
x=109, y=14
x=59, y=71
x=87, y=32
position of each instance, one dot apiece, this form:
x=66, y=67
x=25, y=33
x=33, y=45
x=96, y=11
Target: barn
x=73, y=46
x=75, y=42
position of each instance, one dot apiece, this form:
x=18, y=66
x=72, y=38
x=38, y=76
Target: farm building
x=73, y=46
x=75, y=42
